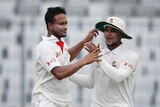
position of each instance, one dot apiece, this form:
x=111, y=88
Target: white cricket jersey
x=113, y=78
x=49, y=55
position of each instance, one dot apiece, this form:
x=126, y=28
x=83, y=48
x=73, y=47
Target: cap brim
x=100, y=26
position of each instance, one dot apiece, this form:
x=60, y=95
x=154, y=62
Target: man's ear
x=50, y=26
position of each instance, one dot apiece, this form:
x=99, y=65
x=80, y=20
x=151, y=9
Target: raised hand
x=90, y=47
x=91, y=34
x=92, y=57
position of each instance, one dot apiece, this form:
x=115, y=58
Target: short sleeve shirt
x=51, y=53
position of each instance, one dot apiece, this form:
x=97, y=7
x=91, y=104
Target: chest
x=61, y=54
x=114, y=59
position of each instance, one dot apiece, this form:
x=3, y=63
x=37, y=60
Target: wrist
x=83, y=41
x=86, y=39
x=82, y=62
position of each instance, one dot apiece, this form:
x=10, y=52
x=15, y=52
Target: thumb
x=98, y=46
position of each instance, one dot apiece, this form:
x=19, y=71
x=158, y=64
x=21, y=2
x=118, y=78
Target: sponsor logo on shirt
x=114, y=63
x=58, y=54
x=48, y=63
x=128, y=65
x=51, y=61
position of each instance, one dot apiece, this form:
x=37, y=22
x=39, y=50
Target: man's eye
x=113, y=30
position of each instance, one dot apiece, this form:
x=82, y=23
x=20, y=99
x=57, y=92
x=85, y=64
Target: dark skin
x=112, y=37
x=59, y=29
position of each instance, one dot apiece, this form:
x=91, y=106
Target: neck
x=49, y=34
x=113, y=46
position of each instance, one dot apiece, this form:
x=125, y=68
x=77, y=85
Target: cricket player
x=113, y=78
x=52, y=61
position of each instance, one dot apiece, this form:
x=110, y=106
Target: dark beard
x=114, y=45
x=56, y=35
x=63, y=36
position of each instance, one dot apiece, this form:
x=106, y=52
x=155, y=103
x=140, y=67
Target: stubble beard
x=58, y=35
x=63, y=36
x=113, y=45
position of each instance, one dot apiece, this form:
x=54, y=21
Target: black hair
x=51, y=13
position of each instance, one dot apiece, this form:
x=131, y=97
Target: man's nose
x=65, y=26
x=108, y=34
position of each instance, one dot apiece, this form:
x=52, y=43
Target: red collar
x=60, y=44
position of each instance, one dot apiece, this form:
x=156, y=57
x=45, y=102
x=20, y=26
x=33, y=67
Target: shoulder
x=130, y=54
x=45, y=46
x=42, y=45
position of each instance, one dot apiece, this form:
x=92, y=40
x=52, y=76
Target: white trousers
x=39, y=100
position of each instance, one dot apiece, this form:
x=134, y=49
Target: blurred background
x=22, y=25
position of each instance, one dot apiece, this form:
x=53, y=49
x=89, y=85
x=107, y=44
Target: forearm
x=82, y=80
x=62, y=72
x=75, y=50
x=115, y=74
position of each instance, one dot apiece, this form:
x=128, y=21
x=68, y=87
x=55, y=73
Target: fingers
x=97, y=54
x=87, y=49
x=93, y=56
x=94, y=32
x=98, y=46
x=96, y=51
x=98, y=58
x=91, y=34
x=90, y=45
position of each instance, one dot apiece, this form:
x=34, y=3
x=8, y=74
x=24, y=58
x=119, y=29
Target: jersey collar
x=118, y=49
x=52, y=37
x=114, y=51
